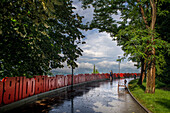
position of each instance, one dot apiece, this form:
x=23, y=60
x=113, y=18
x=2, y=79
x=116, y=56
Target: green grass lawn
x=156, y=103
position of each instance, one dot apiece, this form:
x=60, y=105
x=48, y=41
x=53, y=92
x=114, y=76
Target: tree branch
x=143, y=15
x=153, y=5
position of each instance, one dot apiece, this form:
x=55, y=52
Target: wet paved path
x=98, y=97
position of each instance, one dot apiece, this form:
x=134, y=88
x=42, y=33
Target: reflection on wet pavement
x=97, y=97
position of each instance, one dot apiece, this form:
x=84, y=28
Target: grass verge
x=156, y=103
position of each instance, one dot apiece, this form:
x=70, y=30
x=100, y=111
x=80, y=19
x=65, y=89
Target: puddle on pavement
x=97, y=97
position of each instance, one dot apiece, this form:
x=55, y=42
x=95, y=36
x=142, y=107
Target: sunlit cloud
x=99, y=49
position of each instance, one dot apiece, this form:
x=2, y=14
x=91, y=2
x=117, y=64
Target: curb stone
x=138, y=101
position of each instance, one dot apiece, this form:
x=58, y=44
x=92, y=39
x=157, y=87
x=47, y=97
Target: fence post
x=9, y=90
x=38, y=84
x=1, y=91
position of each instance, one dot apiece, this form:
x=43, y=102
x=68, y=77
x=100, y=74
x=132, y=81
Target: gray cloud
x=99, y=50
x=87, y=13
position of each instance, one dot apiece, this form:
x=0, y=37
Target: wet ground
x=97, y=97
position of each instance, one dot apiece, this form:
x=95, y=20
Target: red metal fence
x=16, y=88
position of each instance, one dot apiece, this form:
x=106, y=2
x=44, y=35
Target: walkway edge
x=138, y=101
x=24, y=101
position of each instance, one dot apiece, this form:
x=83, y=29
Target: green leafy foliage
x=134, y=31
x=156, y=103
x=163, y=67
x=95, y=71
x=36, y=36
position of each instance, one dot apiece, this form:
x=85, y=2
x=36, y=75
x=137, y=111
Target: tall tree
x=37, y=35
x=94, y=69
x=135, y=31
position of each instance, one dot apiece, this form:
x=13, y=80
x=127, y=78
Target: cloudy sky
x=99, y=50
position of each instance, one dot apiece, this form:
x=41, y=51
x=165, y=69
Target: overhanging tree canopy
x=135, y=31
x=37, y=33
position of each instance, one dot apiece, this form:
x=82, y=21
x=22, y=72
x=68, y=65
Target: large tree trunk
x=143, y=69
x=150, y=82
